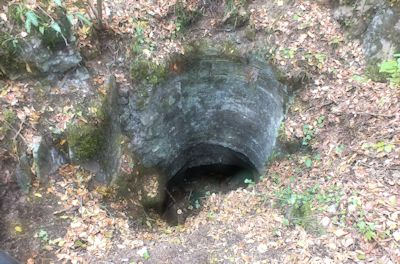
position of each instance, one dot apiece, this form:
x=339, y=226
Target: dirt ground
x=338, y=201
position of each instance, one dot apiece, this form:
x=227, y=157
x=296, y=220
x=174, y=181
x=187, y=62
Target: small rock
x=352, y=208
x=325, y=221
x=262, y=248
x=396, y=235
x=332, y=208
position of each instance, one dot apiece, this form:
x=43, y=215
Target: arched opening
x=199, y=178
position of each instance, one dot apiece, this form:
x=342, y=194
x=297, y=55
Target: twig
x=321, y=106
x=170, y=195
x=372, y=114
x=71, y=208
x=100, y=13
x=17, y=132
x=92, y=8
x=21, y=126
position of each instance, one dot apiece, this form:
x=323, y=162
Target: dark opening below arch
x=207, y=169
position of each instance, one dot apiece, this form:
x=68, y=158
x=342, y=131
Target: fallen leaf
x=339, y=232
x=347, y=242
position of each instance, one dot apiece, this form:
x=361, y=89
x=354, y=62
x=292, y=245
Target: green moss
x=145, y=70
x=148, y=74
x=227, y=49
x=230, y=50
x=85, y=141
x=10, y=117
x=250, y=33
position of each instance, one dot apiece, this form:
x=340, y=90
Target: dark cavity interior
x=187, y=190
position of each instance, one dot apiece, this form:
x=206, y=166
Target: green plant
x=197, y=204
x=360, y=78
x=9, y=43
x=339, y=149
x=297, y=205
x=185, y=16
x=392, y=69
x=51, y=21
x=335, y=42
x=250, y=182
x=308, y=134
x=308, y=162
x=367, y=229
x=49, y=25
x=80, y=244
x=139, y=38
x=9, y=116
x=288, y=53
x=236, y=13
x=380, y=146
x=331, y=195
x=43, y=235
x=321, y=121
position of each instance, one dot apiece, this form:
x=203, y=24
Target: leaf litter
x=350, y=184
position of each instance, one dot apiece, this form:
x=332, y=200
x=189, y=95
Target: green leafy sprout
x=392, y=69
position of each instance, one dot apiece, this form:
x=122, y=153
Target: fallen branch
x=92, y=8
x=21, y=126
x=69, y=209
x=17, y=132
x=373, y=114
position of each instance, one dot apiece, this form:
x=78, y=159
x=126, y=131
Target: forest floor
x=339, y=202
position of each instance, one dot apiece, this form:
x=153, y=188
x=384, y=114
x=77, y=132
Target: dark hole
x=187, y=190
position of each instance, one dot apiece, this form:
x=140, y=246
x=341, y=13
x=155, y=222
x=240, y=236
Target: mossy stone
x=145, y=70
x=85, y=141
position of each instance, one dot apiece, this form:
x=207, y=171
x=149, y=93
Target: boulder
x=5, y=258
x=40, y=59
x=382, y=37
